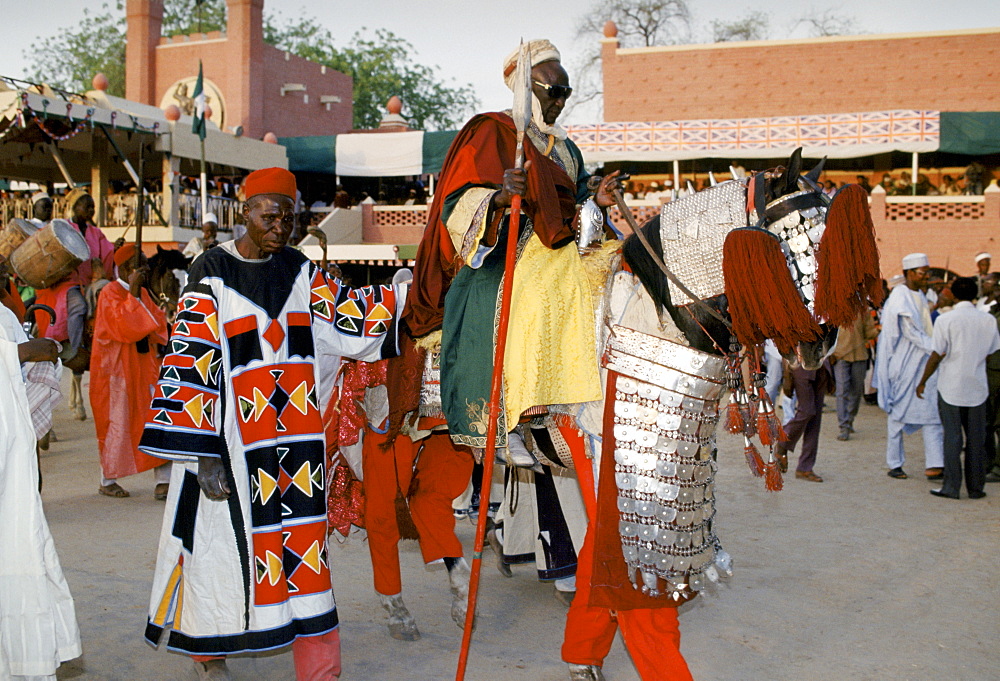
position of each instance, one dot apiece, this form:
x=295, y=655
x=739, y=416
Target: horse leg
x=74, y=392
x=79, y=410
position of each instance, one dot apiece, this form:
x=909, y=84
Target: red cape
x=478, y=156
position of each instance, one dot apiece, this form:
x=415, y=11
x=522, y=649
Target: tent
x=845, y=135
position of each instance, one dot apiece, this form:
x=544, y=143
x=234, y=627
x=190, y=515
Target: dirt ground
x=861, y=577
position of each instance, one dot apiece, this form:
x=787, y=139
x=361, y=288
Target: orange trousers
x=652, y=636
x=442, y=471
x=317, y=658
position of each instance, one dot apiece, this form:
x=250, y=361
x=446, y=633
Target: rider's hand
x=604, y=196
x=515, y=181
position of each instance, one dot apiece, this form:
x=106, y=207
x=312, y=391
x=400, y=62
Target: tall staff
x=139, y=208
x=199, y=127
x=521, y=112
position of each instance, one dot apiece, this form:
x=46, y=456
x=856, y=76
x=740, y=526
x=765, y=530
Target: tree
x=381, y=66
x=69, y=59
x=640, y=23
x=185, y=17
x=828, y=22
x=750, y=27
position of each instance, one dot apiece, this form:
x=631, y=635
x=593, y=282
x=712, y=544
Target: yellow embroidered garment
x=551, y=355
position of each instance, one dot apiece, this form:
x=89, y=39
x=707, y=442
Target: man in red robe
x=125, y=367
x=66, y=296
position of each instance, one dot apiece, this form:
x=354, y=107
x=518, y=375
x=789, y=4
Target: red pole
x=491, y=431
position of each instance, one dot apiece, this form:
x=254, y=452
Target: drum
x=17, y=232
x=48, y=255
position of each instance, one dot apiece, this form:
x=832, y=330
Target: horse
x=163, y=284
x=673, y=345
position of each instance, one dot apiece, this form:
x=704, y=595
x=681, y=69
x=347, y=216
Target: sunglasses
x=555, y=91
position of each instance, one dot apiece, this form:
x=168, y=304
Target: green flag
x=198, y=126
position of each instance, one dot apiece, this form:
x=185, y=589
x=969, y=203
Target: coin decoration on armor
x=666, y=409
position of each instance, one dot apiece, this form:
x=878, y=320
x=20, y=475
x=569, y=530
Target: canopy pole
x=677, y=175
x=913, y=175
x=62, y=165
x=430, y=185
x=204, y=182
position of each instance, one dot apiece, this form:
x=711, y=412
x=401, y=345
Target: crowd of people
x=972, y=182
x=929, y=330
x=281, y=403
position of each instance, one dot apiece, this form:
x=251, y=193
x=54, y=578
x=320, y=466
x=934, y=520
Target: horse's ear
x=813, y=175
x=793, y=172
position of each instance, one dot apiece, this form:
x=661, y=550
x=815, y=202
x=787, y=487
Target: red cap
x=125, y=253
x=269, y=181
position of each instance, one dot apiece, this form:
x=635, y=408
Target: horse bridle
x=627, y=214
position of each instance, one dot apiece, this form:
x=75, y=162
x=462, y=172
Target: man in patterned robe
x=242, y=562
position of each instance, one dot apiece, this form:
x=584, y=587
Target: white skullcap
x=538, y=50
x=210, y=217
x=915, y=260
x=896, y=281
x=983, y=256
x=38, y=196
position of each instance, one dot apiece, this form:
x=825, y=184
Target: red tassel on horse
x=734, y=418
x=754, y=460
x=763, y=300
x=772, y=477
x=847, y=260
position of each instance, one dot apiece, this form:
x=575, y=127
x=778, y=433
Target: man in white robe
x=903, y=348
x=38, y=628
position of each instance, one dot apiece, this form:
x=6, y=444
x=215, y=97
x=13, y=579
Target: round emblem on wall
x=181, y=93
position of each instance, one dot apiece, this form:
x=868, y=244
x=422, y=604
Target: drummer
x=66, y=297
x=41, y=208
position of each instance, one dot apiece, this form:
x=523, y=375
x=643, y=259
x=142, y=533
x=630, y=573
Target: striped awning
x=842, y=135
x=833, y=135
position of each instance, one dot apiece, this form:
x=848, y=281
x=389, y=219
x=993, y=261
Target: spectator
x=961, y=342
x=983, y=262
x=862, y=181
x=993, y=381
x=888, y=184
x=830, y=188
x=809, y=388
x=904, y=186
x=903, y=347
x=949, y=187
x=851, y=363
x=924, y=187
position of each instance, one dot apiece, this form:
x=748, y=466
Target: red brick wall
x=950, y=234
x=145, y=19
x=947, y=71
x=295, y=116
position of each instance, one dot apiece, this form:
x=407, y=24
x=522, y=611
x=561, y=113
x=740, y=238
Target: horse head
x=827, y=247
x=758, y=264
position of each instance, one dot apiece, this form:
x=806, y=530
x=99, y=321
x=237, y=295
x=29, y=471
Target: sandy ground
x=860, y=577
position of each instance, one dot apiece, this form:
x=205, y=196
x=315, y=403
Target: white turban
x=915, y=260
x=38, y=196
x=538, y=51
x=210, y=217
x=983, y=256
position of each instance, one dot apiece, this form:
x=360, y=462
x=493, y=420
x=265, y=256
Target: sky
x=468, y=40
